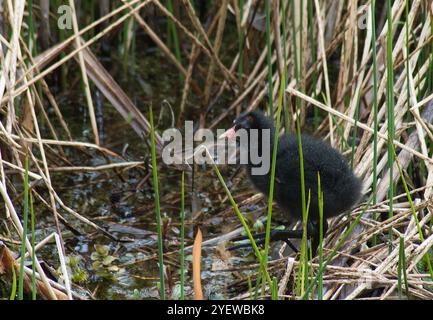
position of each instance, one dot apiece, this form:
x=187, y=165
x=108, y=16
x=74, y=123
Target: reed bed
x=358, y=74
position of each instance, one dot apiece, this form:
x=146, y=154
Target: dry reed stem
x=17, y=224
x=84, y=74
x=196, y=266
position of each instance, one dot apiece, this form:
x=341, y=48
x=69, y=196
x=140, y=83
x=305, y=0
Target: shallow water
x=122, y=201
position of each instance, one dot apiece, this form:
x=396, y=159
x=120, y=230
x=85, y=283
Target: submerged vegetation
x=90, y=211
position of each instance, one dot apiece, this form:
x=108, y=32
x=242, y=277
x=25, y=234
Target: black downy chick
x=341, y=188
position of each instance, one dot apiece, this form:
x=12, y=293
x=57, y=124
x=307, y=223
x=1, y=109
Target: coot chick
x=341, y=188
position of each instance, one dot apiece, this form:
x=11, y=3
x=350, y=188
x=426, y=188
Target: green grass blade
x=33, y=242
x=269, y=58
x=250, y=287
x=31, y=35
x=245, y=225
x=285, y=104
x=337, y=247
x=401, y=270
x=407, y=56
x=241, y=41
x=390, y=110
x=412, y=207
x=295, y=49
x=24, y=235
x=14, y=284
x=375, y=106
x=274, y=289
x=303, y=278
x=273, y=166
x=297, y=58
x=355, y=130
x=258, y=284
x=320, y=201
x=157, y=206
x=403, y=262
x=173, y=33
x=182, y=240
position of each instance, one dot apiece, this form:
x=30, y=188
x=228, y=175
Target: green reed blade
x=320, y=201
x=244, y=224
x=157, y=206
x=24, y=235
x=14, y=284
x=269, y=58
x=339, y=244
x=375, y=107
x=33, y=242
x=412, y=207
x=390, y=110
x=273, y=166
x=182, y=240
x=274, y=289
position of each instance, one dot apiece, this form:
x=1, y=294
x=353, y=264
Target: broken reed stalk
x=196, y=266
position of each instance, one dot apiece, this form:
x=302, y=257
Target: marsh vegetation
x=90, y=211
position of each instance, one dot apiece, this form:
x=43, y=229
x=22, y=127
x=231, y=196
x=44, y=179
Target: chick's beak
x=229, y=134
